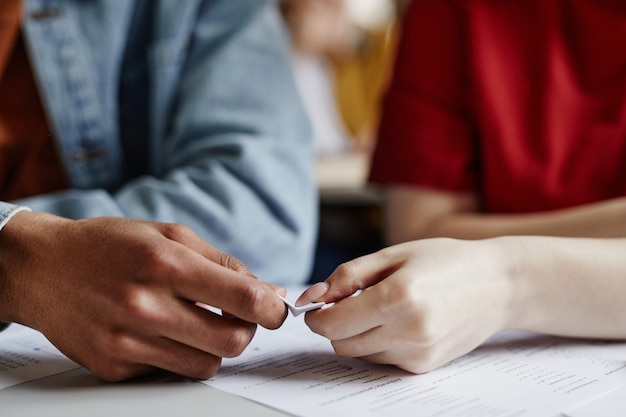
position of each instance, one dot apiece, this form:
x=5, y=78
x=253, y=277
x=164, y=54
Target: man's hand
x=122, y=297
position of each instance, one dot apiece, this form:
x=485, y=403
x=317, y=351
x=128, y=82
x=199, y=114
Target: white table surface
x=78, y=393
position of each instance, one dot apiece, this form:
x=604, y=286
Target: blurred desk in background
x=350, y=213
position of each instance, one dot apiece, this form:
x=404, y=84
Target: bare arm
x=569, y=287
x=414, y=213
x=430, y=301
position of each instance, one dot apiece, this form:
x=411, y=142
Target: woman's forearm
x=409, y=218
x=570, y=287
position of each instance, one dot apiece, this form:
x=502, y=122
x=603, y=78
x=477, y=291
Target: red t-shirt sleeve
x=426, y=135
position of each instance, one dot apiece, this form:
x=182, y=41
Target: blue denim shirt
x=180, y=111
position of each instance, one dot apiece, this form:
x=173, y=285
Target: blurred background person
x=343, y=52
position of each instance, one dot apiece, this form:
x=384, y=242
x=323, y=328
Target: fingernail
x=314, y=293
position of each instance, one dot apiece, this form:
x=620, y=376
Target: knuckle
x=117, y=345
x=342, y=349
x=138, y=305
x=428, y=332
x=160, y=263
x=252, y=299
x=198, y=365
x=421, y=310
x=423, y=362
x=175, y=231
x=427, y=329
x=313, y=323
x=207, y=368
x=118, y=373
x=388, y=253
x=232, y=263
x=345, y=270
x=153, y=262
x=422, y=313
x=112, y=371
x=236, y=341
x=322, y=327
x=347, y=277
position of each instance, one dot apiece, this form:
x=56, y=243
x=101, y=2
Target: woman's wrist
x=546, y=284
x=511, y=255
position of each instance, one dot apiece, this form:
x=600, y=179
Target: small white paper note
x=297, y=310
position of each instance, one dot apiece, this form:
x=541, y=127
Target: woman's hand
x=423, y=303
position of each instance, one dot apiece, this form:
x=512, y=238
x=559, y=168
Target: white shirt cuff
x=5, y=216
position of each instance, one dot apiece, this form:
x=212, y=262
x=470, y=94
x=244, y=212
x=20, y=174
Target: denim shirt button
x=84, y=155
x=45, y=14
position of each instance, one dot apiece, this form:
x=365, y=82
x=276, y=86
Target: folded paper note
x=297, y=310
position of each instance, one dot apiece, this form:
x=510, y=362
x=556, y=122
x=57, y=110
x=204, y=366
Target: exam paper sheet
x=25, y=355
x=513, y=374
x=606, y=405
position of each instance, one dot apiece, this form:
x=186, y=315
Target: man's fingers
x=204, y=330
x=197, y=279
x=175, y=357
x=240, y=294
x=124, y=355
x=188, y=238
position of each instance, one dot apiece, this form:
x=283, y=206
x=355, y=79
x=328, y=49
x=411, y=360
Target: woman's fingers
x=355, y=275
x=348, y=317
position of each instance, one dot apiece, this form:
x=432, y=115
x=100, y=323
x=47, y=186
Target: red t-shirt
x=521, y=102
